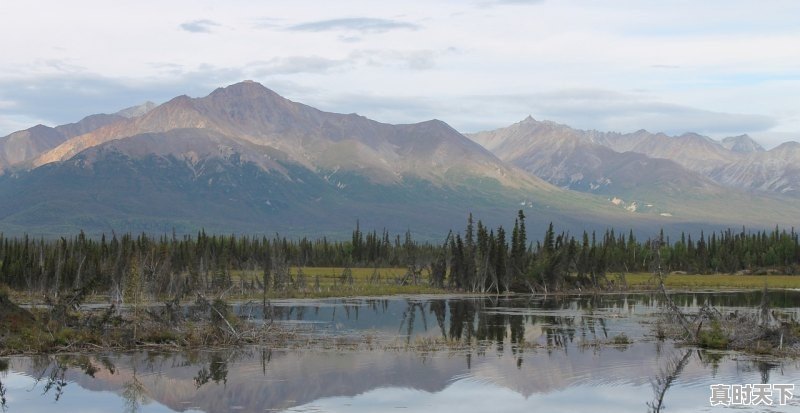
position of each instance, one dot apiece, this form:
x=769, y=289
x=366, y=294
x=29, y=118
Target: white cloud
x=199, y=26
x=11, y=123
x=712, y=65
x=358, y=24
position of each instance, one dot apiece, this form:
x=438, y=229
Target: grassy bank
x=639, y=281
x=324, y=282
x=194, y=321
x=329, y=282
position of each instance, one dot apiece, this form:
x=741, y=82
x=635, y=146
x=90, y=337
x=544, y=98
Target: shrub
x=621, y=339
x=713, y=338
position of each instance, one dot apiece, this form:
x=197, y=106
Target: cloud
x=608, y=111
x=354, y=24
x=523, y=2
x=295, y=64
x=592, y=108
x=770, y=139
x=580, y=108
x=383, y=108
x=492, y=3
x=267, y=23
x=411, y=59
x=199, y=26
x=405, y=59
x=13, y=123
x=65, y=98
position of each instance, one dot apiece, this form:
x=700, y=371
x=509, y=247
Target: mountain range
x=591, y=161
x=244, y=159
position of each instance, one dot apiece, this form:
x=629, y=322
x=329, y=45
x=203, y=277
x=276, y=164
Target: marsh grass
x=205, y=324
x=639, y=281
x=327, y=282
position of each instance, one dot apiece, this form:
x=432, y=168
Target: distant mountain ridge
x=25, y=145
x=591, y=161
x=742, y=144
x=245, y=159
x=250, y=112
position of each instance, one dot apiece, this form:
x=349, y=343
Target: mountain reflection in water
x=527, y=354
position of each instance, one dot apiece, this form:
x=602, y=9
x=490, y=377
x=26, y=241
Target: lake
x=538, y=353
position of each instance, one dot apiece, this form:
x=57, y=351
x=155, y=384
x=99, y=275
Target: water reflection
x=666, y=377
x=134, y=392
x=259, y=379
x=3, y=369
x=530, y=354
x=499, y=323
x=216, y=369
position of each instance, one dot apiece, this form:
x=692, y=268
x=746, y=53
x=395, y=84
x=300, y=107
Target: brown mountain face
x=136, y=111
x=692, y=151
x=573, y=159
x=636, y=163
x=87, y=125
x=175, y=114
x=245, y=159
x=188, y=145
x=26, y=145
x=250, y=113
x=688, y=175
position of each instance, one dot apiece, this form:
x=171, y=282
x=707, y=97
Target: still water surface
x=531, y=354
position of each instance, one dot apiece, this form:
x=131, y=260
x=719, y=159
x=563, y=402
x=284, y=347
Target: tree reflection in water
x=510, y=326
x=134, y=393
x=665, y=379
x=216, y=370
x=3, y=370
x=485, y=322
x=409, y=316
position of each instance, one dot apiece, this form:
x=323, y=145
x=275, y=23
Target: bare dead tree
x=671, y=306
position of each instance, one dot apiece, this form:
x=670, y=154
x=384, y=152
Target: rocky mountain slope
x=776, y=170
x=644, y=163
x=741, y=144
x=23, y=146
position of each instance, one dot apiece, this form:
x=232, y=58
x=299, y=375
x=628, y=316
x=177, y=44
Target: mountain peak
x=693, y=136
x=39, y=127
x=138, y=110
x=435, y=122
x=742, y=144
x=249, y=94
x=244, y=88
x=787, y=146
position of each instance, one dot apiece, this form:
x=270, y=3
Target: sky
x=716, y=67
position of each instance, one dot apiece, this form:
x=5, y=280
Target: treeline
x=479, y=259
x=170, y=265
x=484, y=260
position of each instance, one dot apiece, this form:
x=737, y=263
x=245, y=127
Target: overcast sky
x=716, y=67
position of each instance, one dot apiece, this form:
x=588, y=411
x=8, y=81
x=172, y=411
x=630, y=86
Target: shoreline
x=97, y=327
